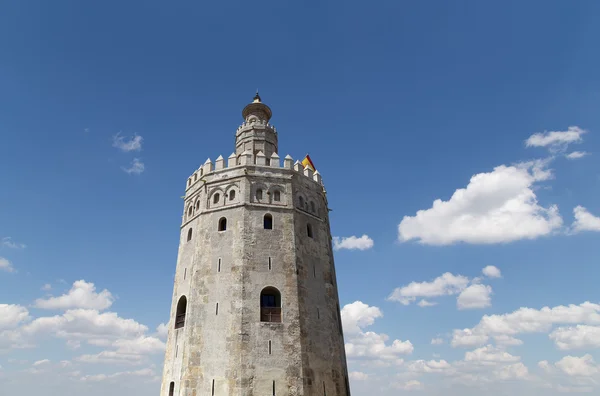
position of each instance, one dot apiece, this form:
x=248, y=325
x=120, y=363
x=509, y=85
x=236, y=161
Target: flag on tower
x=308, y=162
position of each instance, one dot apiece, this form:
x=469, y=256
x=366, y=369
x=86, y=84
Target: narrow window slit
x=184, y=273
x=324, y=391
x=269, y=347
x=273, y=388
x=217, y=309
x=270, y=264
x=213, y=387
x=176, y=349
x=219, y=265
x=171, y=388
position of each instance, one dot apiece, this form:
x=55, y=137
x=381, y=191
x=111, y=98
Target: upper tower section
x=256, y=134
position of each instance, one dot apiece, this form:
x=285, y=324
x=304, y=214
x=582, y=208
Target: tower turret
x=255, y=309
x=256, y=134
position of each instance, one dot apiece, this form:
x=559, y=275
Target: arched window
x=189, y=236
x=195, y=176
x=190, y=210
x=222, y=224
x=216, y=198
x=270, y=305
x=312, y=207
x=198, y=205
x=172, y=389
x=309, y=230
x=231, y=195
x=276, y=196
x=301, y=201
x=268, y=222
x=259, y=194
x=180, y=316
x=189, y=181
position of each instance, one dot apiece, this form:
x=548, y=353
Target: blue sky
x=399, y=104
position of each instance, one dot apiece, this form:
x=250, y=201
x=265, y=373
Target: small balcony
x=270, y=314
x=179, y=321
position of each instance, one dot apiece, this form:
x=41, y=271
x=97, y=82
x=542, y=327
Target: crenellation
x=232, y=160
x=247, y=158
x=274, y=160
x=317, y=177
x=288, y=162
x=261, y=159
x=308, y=172
x=219, y=163
x=207, y=167
x=298, y=167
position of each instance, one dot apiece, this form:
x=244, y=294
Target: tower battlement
x=248, y=159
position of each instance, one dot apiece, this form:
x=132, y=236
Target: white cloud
x=358, y=376
x=370, y=346
x=495, y=207
x=556, y=141
x=512, y=371
x=574, y=366
x=147, y=372
x=136, y=167
x=352, y=243
x=576, y=155
x=6, y=265
x=162, y=330
x=437, y=341
x=475, y=296
x=526, y=320
x=424, y=303
x=489, y=353
x=12, y=315
x=358, y=315
x=491, y=272
x=133, y=143
x=584, y=220
x=577, y=337
x=47, y=287
x=410, y=385
x=446, y=284
x=468, y=338
x=9, y=243
x=82, y=295
x=40, y=362
x=505, y=340
x=85, y=324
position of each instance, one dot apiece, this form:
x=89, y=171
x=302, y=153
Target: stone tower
x=255, y=307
